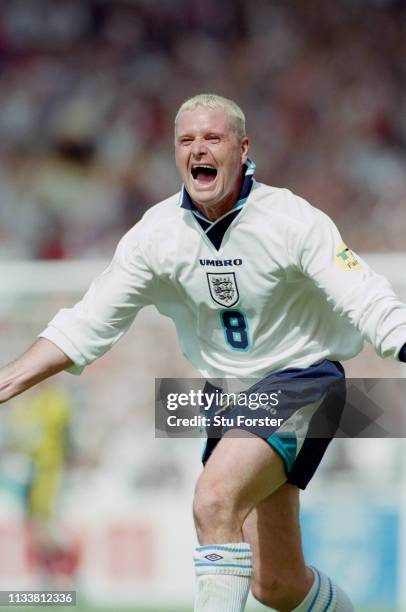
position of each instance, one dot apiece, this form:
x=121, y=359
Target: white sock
x=223, y=577
x=324, y=596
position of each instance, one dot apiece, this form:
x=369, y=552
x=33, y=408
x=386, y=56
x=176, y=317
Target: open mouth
x=204, y=174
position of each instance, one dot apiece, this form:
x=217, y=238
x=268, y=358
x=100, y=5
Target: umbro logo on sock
x=213, y=557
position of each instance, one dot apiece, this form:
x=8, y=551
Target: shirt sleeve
x=103, y=315
x=351, y=287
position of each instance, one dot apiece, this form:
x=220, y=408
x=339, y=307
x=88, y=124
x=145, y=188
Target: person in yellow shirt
x=39, y=427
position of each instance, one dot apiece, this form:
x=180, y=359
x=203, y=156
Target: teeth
x=202, y=166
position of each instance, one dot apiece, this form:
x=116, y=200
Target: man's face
x=209, y=156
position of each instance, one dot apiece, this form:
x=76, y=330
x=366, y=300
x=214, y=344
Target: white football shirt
x=268, y=286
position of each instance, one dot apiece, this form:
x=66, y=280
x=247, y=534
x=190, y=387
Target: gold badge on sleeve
x=346, y=258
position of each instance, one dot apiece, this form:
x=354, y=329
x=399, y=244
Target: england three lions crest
x=223, y=288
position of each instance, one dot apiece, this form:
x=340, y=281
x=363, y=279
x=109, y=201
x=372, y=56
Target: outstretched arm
x=42, y=360
x=77, y=336
x=352, y=288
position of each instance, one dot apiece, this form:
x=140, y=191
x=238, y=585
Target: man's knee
x=215, y=509
x=211, y=506
x=206, y=506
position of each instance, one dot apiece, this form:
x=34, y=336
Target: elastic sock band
x=229, y=559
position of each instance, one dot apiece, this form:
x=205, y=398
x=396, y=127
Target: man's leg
x=246, y=516
x=242, y=471
x=273, y=531
x=240, y=474
x=281, y=579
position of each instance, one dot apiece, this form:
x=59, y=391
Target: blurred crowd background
x=88, y=92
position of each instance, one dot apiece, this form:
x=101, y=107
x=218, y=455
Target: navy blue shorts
x=299, y=421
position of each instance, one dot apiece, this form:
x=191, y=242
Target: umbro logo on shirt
x=220, y=262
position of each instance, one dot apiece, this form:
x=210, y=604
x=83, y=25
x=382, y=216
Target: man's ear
x=245, y=145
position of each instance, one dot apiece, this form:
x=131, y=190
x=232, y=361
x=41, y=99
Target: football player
x=260, y=285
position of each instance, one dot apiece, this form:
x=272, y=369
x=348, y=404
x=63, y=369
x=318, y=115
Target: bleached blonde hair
x=234, y=112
